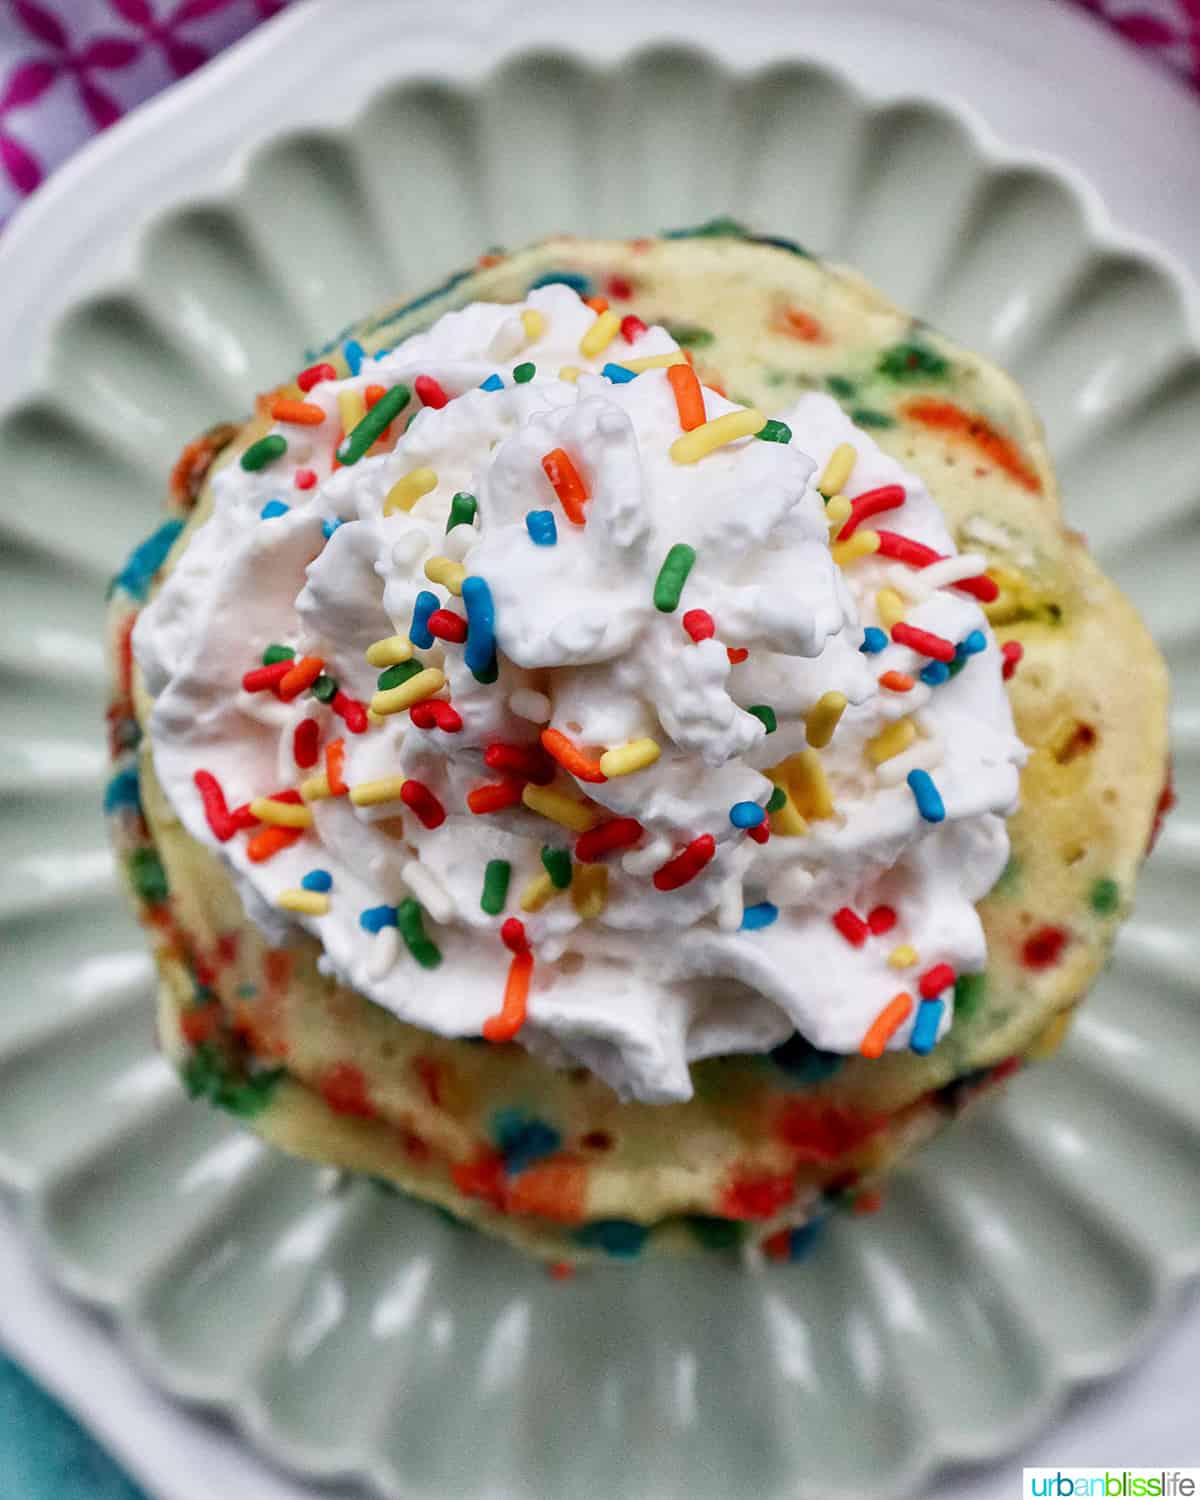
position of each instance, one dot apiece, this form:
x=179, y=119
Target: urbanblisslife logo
x=1121, y=1484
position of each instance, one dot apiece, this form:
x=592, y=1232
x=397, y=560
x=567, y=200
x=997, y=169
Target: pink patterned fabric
x=69, y=68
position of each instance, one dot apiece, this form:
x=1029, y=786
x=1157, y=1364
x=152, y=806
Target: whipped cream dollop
x=560, y=687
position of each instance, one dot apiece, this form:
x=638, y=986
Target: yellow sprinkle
x=822, y=718
x=861, y=544
x=893, y=740
x=396, y=700
x=405, y=493
x=654, y=361
x=589, y=890
x=569, y=373
x=890, y=608
x=315, y=903
x=708, y=437
x=447, y=572
x=802, y=776
x=315, y=787
x=372, y=793
x=786, y=822
x=374, y=719
x=559, y=808
x=533, y=323
x=281, y=814
x=903, y=957
x=598, y=337
x=635, y=756
x=351, y=408
x=837, y=513
x=540, y=890
x=390, y=651
x=838, y=469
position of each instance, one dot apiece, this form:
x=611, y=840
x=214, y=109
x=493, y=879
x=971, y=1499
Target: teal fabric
x=45, y=1454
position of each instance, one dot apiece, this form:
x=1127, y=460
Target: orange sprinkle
x=555, y=1189
x=570, y=757
x=798, y=324
x=689, y=398
x=561, y=1270
x=945, y=416
x=372, y=394
x=504, y=1026
x=897, y=682
x=335, y=764
x=303, y=675
x=886, y=1024
x=567, y=485
x=267, y=842
x=597, y=304
x=301, y=413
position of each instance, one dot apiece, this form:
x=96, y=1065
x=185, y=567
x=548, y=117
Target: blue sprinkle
x=803, y=1239
x=925, y=1029
x=935, y=673
x=621, y=1238
x=492, y=383
x=122, y=791
x=145, y=560
x=480, y=652
x=874, y=640
x=352, y=350
x=618, y=374
x=540, y=525
x=317, y=880
x=329, y=526
x=418, y=632
x=523, y=1139
x=758, y=916
x=746, y=815
x=928, y=798
x=574, y=279
x=376, y=918
x=973, y=645
x=274, y=508
x=803, y=1062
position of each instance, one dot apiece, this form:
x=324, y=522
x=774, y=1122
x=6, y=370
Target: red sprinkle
x=632, y=328
x=935, y=980
x=700, y=625
x=736, y=654
x=447, y=626
x=262, y=678
x=686, y=865
x=216, y=811
x=924, y=641
x=512, y=935
x=617, y=833
x=761, y=833
x=344, y=1089
x=416, y=794
x=530, y=762
x=305, y=479
x=435, y=713
x=851, y=926
x=1043, y=948
x=493, y=797
x=314, y=375
x=871, y=503
x=351, y=711
x=243, y=818
x=302, y=675
x=918, y=555
x=429, y=392
x=1011, y=652
x=620, y=287
x=306, y=743
x=881, y=919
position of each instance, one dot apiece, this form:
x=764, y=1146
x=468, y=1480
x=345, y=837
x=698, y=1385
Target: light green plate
x=1035, y=1246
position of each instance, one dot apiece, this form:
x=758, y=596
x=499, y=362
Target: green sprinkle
x=389, y=405
x=766, y=714
x=207, y=1075
x=462, y=510
x=1105, y=896
x=912, y=361
x=970, y=991
x=324, y=689
x=147, y=876
x=672, y=576
x=524, y=373
x=557, y=863
x=777, y=801
x=724, y=226
x=690, y=336
x=265, y=451
x=275, y=653
x=714, y=1233
x=410, y=921
x=495, y=886
x=775, y=432
x=400, y=673
x=864, y=416
x=840, y=386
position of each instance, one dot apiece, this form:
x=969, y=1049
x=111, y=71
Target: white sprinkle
x=791, y=887
x=457, y=543
x=409, y=548
x=428, y=890
x=507, y=339
x=730, y=906
x=646, y=860
x=951, y=569
x=385, y=950
x=531, y=705
x=925, y=755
